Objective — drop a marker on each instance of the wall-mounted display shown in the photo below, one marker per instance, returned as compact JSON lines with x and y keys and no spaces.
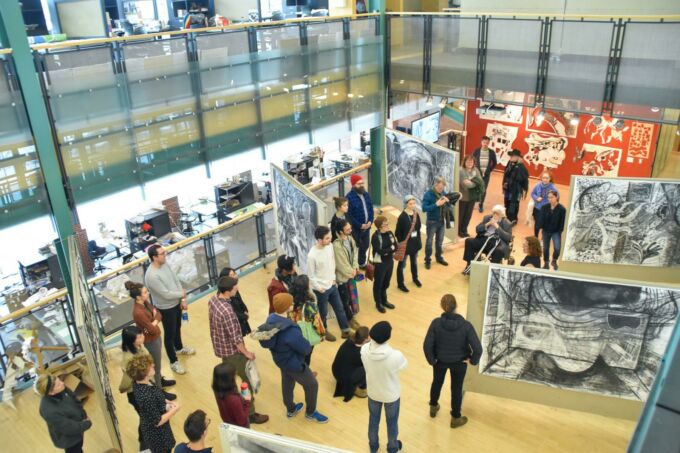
{"x":618,"y":221}
{"x":427,"y":128}
{"x":413,"y":164}
{"x":569,"y":333}
{"x":565,"y":143}
{"x":297,"y":211}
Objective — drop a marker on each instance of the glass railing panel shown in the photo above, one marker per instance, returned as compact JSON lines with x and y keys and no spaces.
{"x":236,"y":246}
{"x":327,"y":194}
{"x":190,"y":264}
{"x":270,"y":231}
{"x":114,"y":303}
{"x":407,"y":36}
{"x":454,"y":56}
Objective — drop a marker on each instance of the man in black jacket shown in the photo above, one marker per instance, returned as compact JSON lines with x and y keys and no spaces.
{"x":451,"y":344}
{"x":66,"y":420}
{"x":485,"y":161}
{"x":515,"y":184}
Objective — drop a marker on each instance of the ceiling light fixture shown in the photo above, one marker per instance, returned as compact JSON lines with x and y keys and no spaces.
{"x":461,"y":106}
{"x":655,"y":109}
{"x":443,"y":102}
{"x":429,"y":100}
{"x":574,"y":120}
{"x":619,"y":125}
{"x":540,"y":117}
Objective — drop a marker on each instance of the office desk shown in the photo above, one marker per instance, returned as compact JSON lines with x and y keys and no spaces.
{"x":203,"y":209}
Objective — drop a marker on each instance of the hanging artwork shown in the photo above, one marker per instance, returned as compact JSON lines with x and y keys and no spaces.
{"x":553,"y":122}
{"x":599,"y":160}
{"x":570,"y":333}
{"x":641,"y":136}
{"x":412,"y":165}
{"x":548,"y":152}
{"x":635,"y":222}
{"x":604,"y":129}
{"x":502,"y":140}
{"x":510,"y":114}
{"x":297,"y":212}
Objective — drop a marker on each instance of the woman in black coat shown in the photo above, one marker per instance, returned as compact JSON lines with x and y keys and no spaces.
{"x":348,"y":369}
{"x":383,"y":245}
{"x":414,"y":243}
{"x":552,"y":224}
{"x":65,"y":417}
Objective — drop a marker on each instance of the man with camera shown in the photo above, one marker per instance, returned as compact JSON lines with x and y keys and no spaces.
{"x":439,"y":209}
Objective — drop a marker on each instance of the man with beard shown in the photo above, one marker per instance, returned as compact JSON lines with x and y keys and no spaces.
{"x":515,"y":184}
{"x":485,"y":161}
{"x":360,"y":215}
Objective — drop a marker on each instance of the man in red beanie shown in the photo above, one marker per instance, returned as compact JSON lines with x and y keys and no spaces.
{"x":360,"y":215}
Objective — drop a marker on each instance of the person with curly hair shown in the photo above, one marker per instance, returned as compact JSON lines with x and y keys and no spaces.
{"x":532,"y":247}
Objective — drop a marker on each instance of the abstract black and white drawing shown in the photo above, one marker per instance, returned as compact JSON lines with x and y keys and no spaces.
{"x":297,"y":212}
{"x":412,"y":165}
{"x":567,"y":333}
{"x":618,"y":221}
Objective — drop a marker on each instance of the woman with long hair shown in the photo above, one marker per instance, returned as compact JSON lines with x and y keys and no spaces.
{"x":532,"y":247}
{"x":472,"y":190}
{"x":383,"y":244}
{"x":148,"y":318}
{"x":348,"y":369}
{"x":408,"y":229}
{"x":305,"y":308}
{"x":234,"y":408}
{"x":553,"y":215}
{"x":155,"y":411}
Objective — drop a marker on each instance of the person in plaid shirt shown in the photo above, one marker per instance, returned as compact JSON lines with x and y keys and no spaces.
{"x":225,"y":333}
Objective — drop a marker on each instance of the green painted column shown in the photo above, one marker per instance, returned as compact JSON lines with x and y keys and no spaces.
{"x":378,"y":133}
{"x":13,"y":34}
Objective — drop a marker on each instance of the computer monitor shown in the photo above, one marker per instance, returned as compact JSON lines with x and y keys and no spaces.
{"x":427,"y":128}
{"x":161,"y":224}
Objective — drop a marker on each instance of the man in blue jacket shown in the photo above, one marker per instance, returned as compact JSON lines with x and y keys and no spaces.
{"x":360,"y":215}
{"x":288,"y":347}
{"x":433,"y":205}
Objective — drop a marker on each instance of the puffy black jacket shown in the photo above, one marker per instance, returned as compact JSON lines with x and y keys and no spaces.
{"x":451,"y":339}
{"x":65,"y":417}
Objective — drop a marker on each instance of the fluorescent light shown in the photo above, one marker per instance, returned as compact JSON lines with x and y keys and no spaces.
{"x":655,"y":109}
{"x":443,"y":102}
{"x":574,"y":120}
{"x":461,"y":107}
{"x":540,"y":117}
{"x":429,"y":100}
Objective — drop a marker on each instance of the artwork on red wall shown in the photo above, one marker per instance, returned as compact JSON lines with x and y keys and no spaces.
{"x":565,"y":143}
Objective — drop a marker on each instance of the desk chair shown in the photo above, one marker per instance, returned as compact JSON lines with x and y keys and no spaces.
{"x":97,"y":253}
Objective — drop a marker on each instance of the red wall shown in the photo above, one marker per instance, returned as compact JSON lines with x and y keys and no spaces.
{"x":565,"y":149}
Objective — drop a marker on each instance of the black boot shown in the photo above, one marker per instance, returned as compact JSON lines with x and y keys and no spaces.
{"x":380,"y":308}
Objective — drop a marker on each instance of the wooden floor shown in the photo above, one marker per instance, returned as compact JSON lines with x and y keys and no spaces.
{"x":496,"y":424}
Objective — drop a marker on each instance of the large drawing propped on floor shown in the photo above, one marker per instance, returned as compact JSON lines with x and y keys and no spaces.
{"x":297,"y":212}
{"x":619,"y":221}
{"x":412,"y":166}
{"x":567,"y":333}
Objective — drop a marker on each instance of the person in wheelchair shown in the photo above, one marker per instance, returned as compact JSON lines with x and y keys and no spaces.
{"x":494,"y":235}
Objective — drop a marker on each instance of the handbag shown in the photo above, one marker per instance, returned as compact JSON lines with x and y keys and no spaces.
{"x":353,"y":295}
{"x":309,"y":332}
{"x":253,"y":376}
{"x":400,"y":253}
{"x":369,"y":272}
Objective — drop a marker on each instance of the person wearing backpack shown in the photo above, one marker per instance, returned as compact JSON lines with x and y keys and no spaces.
{"x":289,"y":348}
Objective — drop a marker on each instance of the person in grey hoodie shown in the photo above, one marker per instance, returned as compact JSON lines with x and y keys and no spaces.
{"x":451,"y":344}
{"x":383,"y":365}
{"x":170,"y":298}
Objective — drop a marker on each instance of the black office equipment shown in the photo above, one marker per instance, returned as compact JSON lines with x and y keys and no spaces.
{"x":300,"y":169}
{"x":145,"y":229}
{"x":230,"y":197}
{"x":41,"y":271}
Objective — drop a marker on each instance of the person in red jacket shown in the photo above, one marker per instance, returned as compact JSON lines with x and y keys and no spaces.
{"x":283,"y":277}
{"x":234,"y":409}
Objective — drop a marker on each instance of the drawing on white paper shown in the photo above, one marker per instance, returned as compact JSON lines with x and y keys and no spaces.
{"x":607,"y":129}
{"x":641,"y":135}
{"x":502,"y":139}
{"x":510,"y":114}
{"x":599,"y":160}
{"x":546,"y":151}
{"x":553,"y":122}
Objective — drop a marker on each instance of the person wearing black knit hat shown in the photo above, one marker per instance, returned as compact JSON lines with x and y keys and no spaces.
{"x":383,"y":365}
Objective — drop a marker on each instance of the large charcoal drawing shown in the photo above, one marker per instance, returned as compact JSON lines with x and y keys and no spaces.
{"x":603,"y":338}
{"x":297,"y":216}
{"x":412,"y":165}
{"x":635,"y":222}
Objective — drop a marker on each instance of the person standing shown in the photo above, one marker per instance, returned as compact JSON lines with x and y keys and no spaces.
{"x":346,"y":267}
{"x":485,"y":161}
{"x":472,"y":190}
{"x":288,"y":347}
{"x":450,"y":345}
{"x":155,"y":411}
{"x":383,"y":244}
{"x":383,"y":365}
{"x":321,"y":272}
{"x":360,"y":215}
{"x":196,"y":430}
{"x":283,"y":278}
{"x":434,"y":203}
{"x":540,"y":196}
{"x":66,"y":419}
{"x":237,"y":303}
{"x":552,"y":224}
{"x":147,"y":318}
{"x":515,"y":184}
{"x":532,"y":247}
{"x":170,"y":298}
{"x":348,"y":369}
{"x":234,"y":408}
{"x":226,"y":337}
{"x":408,"y":229}
{"x":341,"y":208}
{"x":306,"y":309}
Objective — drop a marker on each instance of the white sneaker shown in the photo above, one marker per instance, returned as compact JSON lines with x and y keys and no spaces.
{"x":186,"y":351}
{"x":177,"y":368}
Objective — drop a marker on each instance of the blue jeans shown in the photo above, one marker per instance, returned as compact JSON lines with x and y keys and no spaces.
{"x":557,"y":244}
{"x":392,"y":416}
{"x":333,"y":296}
{"x":435,"y":230}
